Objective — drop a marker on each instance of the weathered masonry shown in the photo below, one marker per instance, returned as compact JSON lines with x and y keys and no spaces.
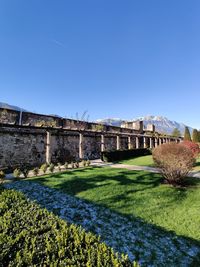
{"x":34,"y":139}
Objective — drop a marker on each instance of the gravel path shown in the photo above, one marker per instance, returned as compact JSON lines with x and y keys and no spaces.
{"x":141,"y":241}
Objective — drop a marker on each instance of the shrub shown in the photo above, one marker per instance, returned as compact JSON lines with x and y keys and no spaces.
{"x":59,"y":167}
{"x":72,"y":165}
{"x":174,"y":161}
{"x":17,"y":173}
{"x":51,"y":167}
{"x":24,"y":170}
{"x":77,"y":164}
{"x":2,"y":177}
{"x":31,"y":236}
{"x":88,"y":162}
{"x":44,"y":167}
{"x":83,"y":163}
{"x":66,"y":165}
{"x":36,"y":171}
{"x":117,"y":155}
{"x":194,"y":147}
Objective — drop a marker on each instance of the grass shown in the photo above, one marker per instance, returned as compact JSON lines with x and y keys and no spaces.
{"x":134,"y":194}
{"x":197,"y":167}
{"x":139,"y":161}
{"x":148,"y":161}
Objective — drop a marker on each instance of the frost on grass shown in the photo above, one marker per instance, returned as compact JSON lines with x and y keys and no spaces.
{"x":140,"y":241}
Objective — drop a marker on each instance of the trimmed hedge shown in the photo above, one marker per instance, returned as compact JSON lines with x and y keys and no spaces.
{"x":31,"y":236}
{"x":117,"y":155}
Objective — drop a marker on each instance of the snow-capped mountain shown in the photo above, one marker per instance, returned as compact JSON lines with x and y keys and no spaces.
{"x":162,"y":124}
{"x":113,"y":122}
{"x":7,"y":106}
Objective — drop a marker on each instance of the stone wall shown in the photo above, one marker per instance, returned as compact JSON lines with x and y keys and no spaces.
{"x":8,"y":116}
{"x":48,"y":121}
{"x":38,"y":120}
{"x":64,"y":146}
{"x":132,"y":142}
{"x":34,"y":139}
{"x":110,"y":143}
{"x":19,"y":146}
{"x":124,"y":143}
{"x":28,"y":145}
{"x":91,"y":146}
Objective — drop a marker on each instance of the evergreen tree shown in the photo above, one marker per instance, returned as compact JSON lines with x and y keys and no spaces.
{"x":176,"y":132}
{"x":187,"y":135}
{"x":195,"y":136}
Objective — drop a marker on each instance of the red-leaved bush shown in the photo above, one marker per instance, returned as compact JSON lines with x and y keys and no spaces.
{"x":174,"y":161}
{"x":194,"y":147}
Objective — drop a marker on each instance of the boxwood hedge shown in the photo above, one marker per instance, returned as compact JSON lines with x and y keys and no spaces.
{"x":32,"y":236}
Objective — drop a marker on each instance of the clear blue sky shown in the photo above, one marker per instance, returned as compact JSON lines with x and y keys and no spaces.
{"x":113,"y":58}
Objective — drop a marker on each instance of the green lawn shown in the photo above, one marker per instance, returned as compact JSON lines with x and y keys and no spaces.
{"x":148,"y":161}
{"x":135,"y":193}
{"x":197,"y":167}
{"x":139,"y":161}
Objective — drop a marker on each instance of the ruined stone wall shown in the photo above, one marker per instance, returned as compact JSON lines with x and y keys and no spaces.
{"x":133,"y":142}
{"x":64,"y":146}
{"x":38,"y":120}
{"x":123,"y":143}
{"x":33,"y":139}
{"x":19,"y":146}
{"x":110,"y":143}
{"x":28,"y":145}
{"x":91,"y":146}
{"x":8,"y":116}
{"x":141,"y":142}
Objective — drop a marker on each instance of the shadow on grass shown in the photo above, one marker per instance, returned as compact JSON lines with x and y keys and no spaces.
{"x":80,"y":180}
{"x":75,"y":184}
{"x":197,"y":166}
{"x":197,"y":163}
{"x":125,"y":182}
{"x":190,"y":182}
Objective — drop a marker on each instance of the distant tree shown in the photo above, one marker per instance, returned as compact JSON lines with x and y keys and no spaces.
{"x":195,"y":136}
{"x":187,"y":135}
{"x":176,"y":132}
